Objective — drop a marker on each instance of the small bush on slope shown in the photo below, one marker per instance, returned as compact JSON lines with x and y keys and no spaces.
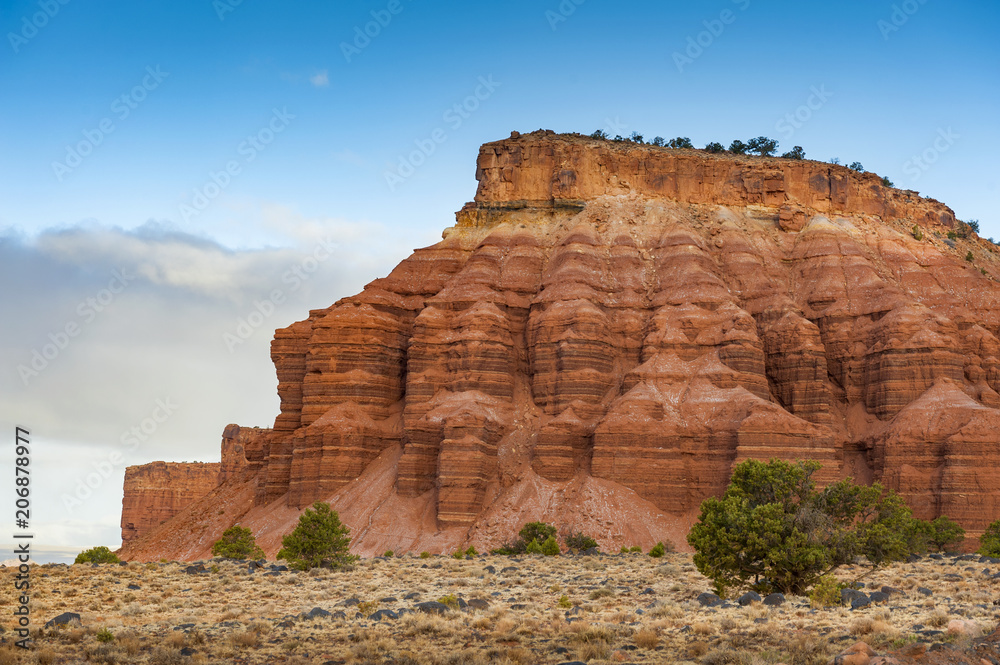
{"x":319,"y":539}
{"x":237,"y":542}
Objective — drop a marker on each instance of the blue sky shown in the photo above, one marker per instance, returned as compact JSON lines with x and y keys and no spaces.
{"x":209,"y":147}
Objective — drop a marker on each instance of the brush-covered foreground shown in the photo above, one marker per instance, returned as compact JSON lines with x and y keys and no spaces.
{"x":626,"y":608}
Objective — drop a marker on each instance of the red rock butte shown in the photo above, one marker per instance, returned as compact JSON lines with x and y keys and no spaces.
{"x":606,"y":330}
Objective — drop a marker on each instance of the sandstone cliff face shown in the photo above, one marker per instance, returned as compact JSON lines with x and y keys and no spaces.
{"x":610,"y":327}
{"x":157,"y":491}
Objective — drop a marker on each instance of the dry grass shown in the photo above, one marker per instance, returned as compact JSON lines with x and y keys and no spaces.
{"x":603,"y":616}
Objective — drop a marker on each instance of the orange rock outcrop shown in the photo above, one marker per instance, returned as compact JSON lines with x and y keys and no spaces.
{"x":157,"y":491}
{"x":610,"y":327}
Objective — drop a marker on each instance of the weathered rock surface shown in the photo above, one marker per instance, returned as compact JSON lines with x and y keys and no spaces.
{"x":157,"y":491}
{"x":608,"y":328}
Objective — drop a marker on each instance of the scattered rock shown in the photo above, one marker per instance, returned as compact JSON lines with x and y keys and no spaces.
{"x":479,"y":604}
{"x":860,"y":602}
{"x":708,"y":599}
{"x":383,"y":614}
{"x":316,"y":612}
{"x":964,"y":627}
{"x":748,"y":597}
{"x":63,"y":619}
{"x":858,"y":654}
{"x":878,"y":597}
{"x":432,"y":607}
{"x":848,"y":595}
{"x":774,"y":599}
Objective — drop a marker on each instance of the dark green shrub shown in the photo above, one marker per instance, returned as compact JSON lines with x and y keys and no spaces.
{"x":600,"y":134}
{"x":973,"y":225}
{"x":738,"y":147}
{"x":659,"y":141}
{"x":635,"y":549}
{"x":952,"y":235}
{"x":658,"y":551}
{"x":917,"y":233}
{"x":550,"y":547}
{"x":635,"y":137}
{"x":856,"y":166}
{"x":946,"y":533}
{"x":618,"y":138}
{"x":680,"y":142}
{"x":104,"y":635}
{"x":533,"y":548}
{"x":715,"y":147}
{"x":425,"y":555}
{"x":969,"y":257}
{"x":774,"y":531}
{"x":762,"y":145}
{"x":536,"y":531}
{"x":989,"y":542}
{"x":237,"y":542}
{"x":389,"y":554}
{"x":795,"y":153}
{"x":319,"y":539}
{"x":918,"y":536}
{"x":886,"y":182}
{"x":579,"y":542}
{"x":99,"y":554}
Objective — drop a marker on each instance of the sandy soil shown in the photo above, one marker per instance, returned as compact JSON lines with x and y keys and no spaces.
{"x":596,"y":609}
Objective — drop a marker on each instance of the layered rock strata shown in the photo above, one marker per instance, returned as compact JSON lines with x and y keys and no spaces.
{"x":610,"y":327}
{"x":157,"y":491}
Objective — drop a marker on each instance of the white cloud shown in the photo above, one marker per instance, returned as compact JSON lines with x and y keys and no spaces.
{"x":161,"y":337}
{"x":320,"y":79}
